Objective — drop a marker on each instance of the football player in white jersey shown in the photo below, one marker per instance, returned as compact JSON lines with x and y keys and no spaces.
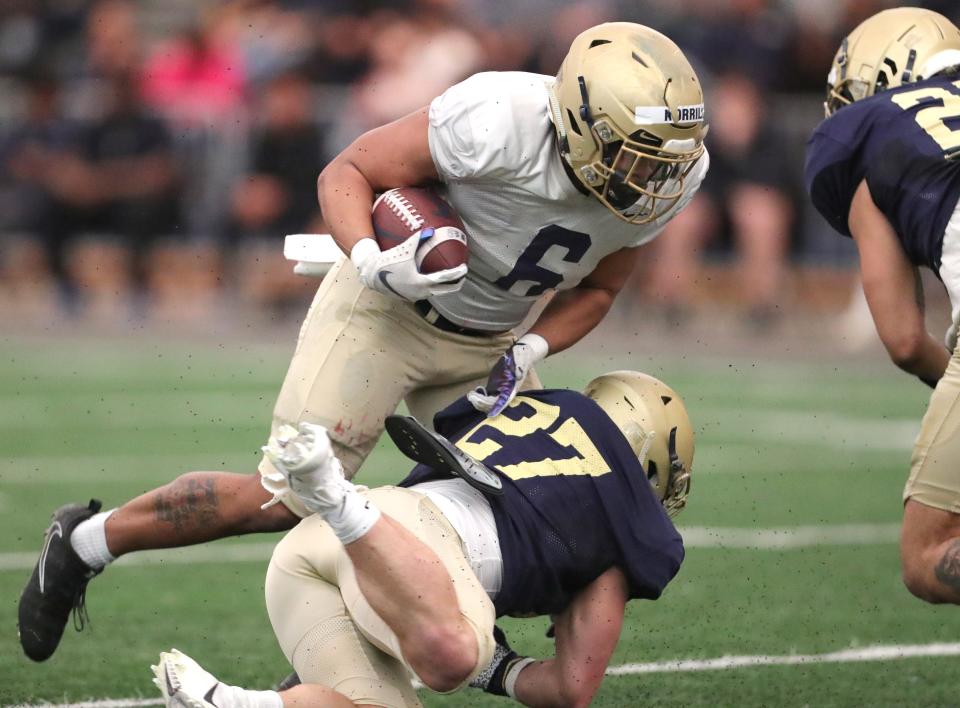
{"x":558,"y":180}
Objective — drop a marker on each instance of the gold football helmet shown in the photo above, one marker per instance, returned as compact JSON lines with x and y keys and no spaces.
{"x":628,"y":111}
{"x":654,"y":420}
{"x":889,"y":49}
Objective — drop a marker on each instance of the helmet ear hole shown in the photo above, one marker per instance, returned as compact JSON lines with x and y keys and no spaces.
{"x":573,"y":123}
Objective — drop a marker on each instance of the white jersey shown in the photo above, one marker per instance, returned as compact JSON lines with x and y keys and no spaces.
{"x":529,"y":229}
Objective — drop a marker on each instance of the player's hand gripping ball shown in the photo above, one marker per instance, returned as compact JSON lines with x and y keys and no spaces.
{"x":420,"y":248}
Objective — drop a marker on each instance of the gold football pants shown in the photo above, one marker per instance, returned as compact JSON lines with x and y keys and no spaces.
{"x":358,"y":355}
{"x":326,"y":628}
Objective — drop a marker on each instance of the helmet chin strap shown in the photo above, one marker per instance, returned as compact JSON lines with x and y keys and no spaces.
{"x":556,"y":114}
{"x":585,"y":113}
{"x":907,"y":75}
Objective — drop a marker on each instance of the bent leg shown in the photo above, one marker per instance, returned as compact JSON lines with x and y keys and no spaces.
{"x":355,"y":360}
{"x":314,"y":629}
{"x":930,"y":542}
{"x":406,"y":586}
{"x":410,"y":588}
{"x":194,"y":508}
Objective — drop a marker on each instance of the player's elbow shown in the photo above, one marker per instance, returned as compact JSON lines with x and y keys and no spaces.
{"x":905,"y":348}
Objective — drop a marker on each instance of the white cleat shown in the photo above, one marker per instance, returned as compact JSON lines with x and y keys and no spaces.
{"x":183,"y":682}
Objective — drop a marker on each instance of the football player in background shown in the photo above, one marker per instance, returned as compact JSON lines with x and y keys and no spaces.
{"x":380,"y":583}
{"x":884,"y":169}
{"x":558,"y":181}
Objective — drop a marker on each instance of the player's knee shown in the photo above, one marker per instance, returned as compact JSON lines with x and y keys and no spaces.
{"x":919,"y":577}
{"x":446,"y":657}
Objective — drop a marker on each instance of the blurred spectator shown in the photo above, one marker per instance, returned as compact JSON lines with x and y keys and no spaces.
{"x":279,"y":195}
{"x":744,"y":203}
{"x":415,"y":56}
{"x":113,"y":39}
{"x":747,"y":36}
{"x":30,"y":157}
{"x":29,"y":151}
{"x":117,"y":183}
{"x":341,"y":54}
{"x":366,"y":63}
{"x":198,"y":78}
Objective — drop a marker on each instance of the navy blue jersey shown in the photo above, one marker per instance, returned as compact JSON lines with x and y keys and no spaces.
{"x":901,"y":142}
{"x":576,"y":500}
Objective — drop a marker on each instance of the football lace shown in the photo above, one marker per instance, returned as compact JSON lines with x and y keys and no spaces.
{"x":405,"y":210}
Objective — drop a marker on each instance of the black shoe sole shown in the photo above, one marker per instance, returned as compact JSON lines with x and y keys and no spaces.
{"x":425,"y":446}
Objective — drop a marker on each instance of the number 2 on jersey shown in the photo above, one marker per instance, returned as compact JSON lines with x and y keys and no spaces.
{"x":528,"y":417}
{"x":934,"y":119}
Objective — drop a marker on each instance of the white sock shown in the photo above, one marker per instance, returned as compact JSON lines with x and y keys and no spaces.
{"x":89,"y":540}
{"x":352,"y":518}
{"x":236,"y":697}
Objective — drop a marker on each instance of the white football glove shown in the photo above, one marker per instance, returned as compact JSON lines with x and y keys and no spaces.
{"x":394,"y":272}
{"x":305,"y":457}
{"x":508,"y":374}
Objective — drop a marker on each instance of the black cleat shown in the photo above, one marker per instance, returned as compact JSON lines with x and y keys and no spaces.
{"x":425,"y":446}
{"x":57,"y":586}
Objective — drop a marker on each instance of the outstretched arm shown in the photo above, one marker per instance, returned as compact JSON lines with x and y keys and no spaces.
{"x":894,"y":292}
{"x":586,"y":635}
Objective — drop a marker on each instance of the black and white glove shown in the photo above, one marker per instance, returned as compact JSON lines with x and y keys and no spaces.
{"x":508,"y":374}
{"x":394,"y":272}
{"x":500,"y":675}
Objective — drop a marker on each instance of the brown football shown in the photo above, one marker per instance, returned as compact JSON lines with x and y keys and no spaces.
{"x":400,"y":213}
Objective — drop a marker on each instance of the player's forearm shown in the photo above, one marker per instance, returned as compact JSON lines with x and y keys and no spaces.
{"x":571,"y":315}
{"x":346,"y":198}
{"x":543,"y":683}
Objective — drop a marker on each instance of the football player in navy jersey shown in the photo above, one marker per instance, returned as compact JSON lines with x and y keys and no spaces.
{"x":558,"y":506}
{"x":884,"y":168}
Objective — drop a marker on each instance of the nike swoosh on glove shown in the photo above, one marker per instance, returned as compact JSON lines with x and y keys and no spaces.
{"x":508,"y":374}
{"x":394,"y":272}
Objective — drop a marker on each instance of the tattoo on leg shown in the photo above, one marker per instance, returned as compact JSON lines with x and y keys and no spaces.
{"x":948,"y":569}
{"x":188,"y":503}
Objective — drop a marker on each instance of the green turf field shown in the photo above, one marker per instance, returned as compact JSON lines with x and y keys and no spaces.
{"x":780,"y":446}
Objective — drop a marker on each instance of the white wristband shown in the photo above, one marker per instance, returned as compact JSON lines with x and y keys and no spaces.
{"x":538,"y":345}
{"x":362,"y":250}
{"x":510,"y":680}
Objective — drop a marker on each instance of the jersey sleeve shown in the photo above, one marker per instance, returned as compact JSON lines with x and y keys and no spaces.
{"x":830,"y":178}
{"x":471,"y":129}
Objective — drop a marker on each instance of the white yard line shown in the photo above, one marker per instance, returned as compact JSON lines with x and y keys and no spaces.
{"x":880,"y":652}
{"x":106,"y":703}
{"x":693,"y":536}
{"x":790,"y":537}
{"x":193,"y":555}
